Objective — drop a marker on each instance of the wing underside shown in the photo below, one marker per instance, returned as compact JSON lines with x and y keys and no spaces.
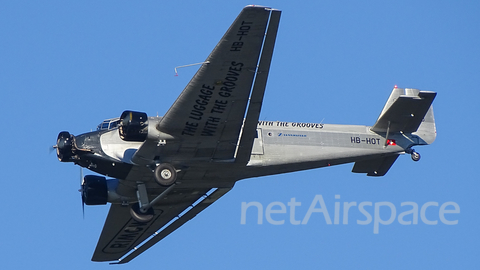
{"x":205,"y":122}
{"x":207,"y":118}
{"x":123,"y":238}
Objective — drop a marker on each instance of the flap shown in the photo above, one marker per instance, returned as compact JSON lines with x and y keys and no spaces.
{"x":253,"y":113}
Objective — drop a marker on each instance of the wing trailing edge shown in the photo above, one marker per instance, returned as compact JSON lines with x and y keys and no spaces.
{"x":244,"y":149}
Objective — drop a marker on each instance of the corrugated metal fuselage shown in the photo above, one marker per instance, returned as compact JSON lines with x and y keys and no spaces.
{"x":278,"y":148}
{"x":287,"y":146}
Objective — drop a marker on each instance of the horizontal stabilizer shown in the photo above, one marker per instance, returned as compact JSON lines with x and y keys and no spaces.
{"x":375,"y":167}
{"x":404,"y":111}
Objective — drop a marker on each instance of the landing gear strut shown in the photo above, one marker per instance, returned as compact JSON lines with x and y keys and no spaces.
{"x":143,"y":210}
{"x":165,"y":175}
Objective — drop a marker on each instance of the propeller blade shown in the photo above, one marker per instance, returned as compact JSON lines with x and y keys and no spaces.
{"x":82,"y":190}
{"x":81,"y":177}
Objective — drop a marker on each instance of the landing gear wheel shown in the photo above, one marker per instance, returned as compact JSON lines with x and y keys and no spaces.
{"x":415,"y":156}
{"x":138,"y":216}
{"x":165,"y":175}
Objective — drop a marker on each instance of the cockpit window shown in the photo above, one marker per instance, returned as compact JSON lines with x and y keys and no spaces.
{"x":113,"y":124}
{"x":108,"y":124}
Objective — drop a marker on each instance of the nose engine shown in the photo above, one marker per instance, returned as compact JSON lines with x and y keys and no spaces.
{"x":65,"y":146}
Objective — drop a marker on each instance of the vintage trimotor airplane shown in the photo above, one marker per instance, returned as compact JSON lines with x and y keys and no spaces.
{"x":165,"y":170}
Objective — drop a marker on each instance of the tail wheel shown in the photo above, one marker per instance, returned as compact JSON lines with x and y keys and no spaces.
{"x":415,"y":156}
{"x":139,"y":216}
{"x":165,"y":175}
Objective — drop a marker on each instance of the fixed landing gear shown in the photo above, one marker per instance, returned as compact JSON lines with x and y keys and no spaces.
{"x":414,"y":155}
{"x":142,"y":216}
{"x":165,"y":175}
{"x":142,"y":211}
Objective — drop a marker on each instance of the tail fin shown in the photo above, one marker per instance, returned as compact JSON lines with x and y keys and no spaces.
{"x":408,"y":111}
{"x":427,"y":131}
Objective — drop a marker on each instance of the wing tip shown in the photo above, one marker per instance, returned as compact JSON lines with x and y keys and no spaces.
{"x":260,"y":6}
{"x":256,"y":6}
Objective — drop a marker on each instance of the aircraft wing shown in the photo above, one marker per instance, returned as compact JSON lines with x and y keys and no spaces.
{"x":206,"y":119}
{"x":123,"y":238}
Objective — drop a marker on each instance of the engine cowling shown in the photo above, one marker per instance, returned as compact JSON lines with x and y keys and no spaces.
{"x":65,"y":146}
{"x":133,"y":126}
{"x":94,"y":190}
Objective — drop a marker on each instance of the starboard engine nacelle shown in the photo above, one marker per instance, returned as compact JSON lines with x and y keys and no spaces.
{"x":98,"y":190}
{"x":133,"y":126}
{"x":94,"y":190}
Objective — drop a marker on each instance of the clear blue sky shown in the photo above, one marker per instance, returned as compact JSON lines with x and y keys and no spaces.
{"x":68,"y":65}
